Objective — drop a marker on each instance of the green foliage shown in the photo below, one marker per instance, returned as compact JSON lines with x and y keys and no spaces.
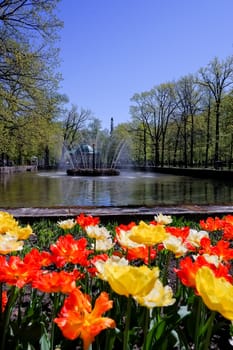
{"x":181,"y":221}
{"x":28,"y":79}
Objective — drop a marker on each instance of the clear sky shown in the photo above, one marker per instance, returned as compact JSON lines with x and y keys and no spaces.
{"x":112,"y":49}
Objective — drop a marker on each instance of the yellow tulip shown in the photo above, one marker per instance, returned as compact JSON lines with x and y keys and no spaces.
{"x":66,"y":224}
{"x":175,"y":245}
{"x":24,"y":232}
{"x":131,"y":280}
{"x":163,"y":219}
{"x":216,"y":292}
{"x":9,"y":244}
{"x":111,"y":261}
{"x":195,"y":237}
{"x":103,"y":244}
{"x":125,"y":241}
{"x":97,"y":232}
{"x":148,"y":234}
{"x":159,"y":296}
{"x":8,"y":225}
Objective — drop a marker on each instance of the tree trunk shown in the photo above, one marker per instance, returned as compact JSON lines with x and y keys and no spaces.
{"x":216,"y":151}
{"x":176,"y":147}
{"x":144,"y":148}
{"x":207,"y":138}
{"x":185,"y":143}
{"x":46,"y":159}
{"x":191,"y":141}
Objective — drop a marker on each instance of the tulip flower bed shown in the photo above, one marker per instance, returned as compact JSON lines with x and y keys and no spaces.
{"x":77,"y":284}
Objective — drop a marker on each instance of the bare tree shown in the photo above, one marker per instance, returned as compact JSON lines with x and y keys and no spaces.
{"x":73,"y":124}
{"x":154,"y":109}
{"x":188,"y":103}
{"x":218,"y":78}
{"x":165,"y":96}
{"x":141,"y":114}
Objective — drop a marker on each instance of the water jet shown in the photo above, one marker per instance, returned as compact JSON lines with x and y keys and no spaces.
{"x":88,"y":162}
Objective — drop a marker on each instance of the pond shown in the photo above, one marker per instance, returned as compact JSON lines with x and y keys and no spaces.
{"x":49,"y":189}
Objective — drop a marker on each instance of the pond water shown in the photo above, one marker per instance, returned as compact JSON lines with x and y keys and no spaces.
{"x":49,"y":189}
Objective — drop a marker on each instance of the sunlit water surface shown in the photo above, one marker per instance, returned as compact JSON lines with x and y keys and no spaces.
{"x":48,"y":189}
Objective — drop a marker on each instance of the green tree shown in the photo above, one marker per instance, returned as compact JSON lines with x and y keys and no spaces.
{"x":28,"y":80}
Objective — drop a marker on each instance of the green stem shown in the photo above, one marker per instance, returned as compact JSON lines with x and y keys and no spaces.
{"x":6,"y":316}
{"x":127,"y":324}
{"x":197,"y":323}
{"x":55,"y":308}
{"x":166,"y":268}
{"x":209,"y":330}
{"x":1,"y":313}
{"x":146,"y":325}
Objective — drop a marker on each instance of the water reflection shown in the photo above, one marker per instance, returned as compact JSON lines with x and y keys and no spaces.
{"x":46,"y":189}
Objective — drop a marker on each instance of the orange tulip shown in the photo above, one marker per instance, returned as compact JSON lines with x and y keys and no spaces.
{"x":181,"y":232}
{"x":54,"y":282}
{"x":143,"y":253}
{"x":87,"y":220}
{"x":222,"y":249}
{"x":69,"y":250}
{"x":16,"y":272}
{"x":212,"y":224}
{"x":34,"y":256}
{"x":189,"y":268}
{"x":78,"y":319}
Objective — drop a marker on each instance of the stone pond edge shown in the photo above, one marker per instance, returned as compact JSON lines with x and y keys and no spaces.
{"x":119,"y":214}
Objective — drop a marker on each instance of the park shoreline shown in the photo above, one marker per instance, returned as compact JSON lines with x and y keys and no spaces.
{"x":221,"y":174}
{"x":202,"y":173}
{"x":17,"y":169}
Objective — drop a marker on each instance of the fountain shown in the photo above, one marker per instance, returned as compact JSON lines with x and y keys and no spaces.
{"x":86,"y":161}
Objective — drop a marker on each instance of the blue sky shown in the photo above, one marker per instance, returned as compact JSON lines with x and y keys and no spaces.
{"x":112,"y":49}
